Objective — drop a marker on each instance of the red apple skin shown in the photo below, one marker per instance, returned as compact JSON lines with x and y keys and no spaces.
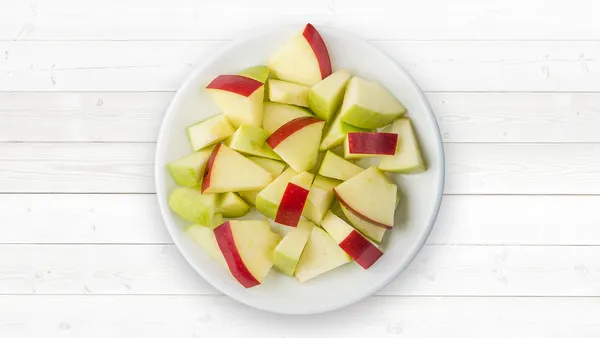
{"x":359,"y":215}
{"x":360,"y":249}
{"x":318,"y":46}
{"x":289,"y":128}
{"x":234,"y":261}
{"x":372,"y":143}
{"x":236,"y":84}
{"x":209,"y":168}
{"x":291,"y":206}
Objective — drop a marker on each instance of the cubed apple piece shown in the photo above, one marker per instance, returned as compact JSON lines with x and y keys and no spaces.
{"x":294,"y":199}
{"x":239,"y":97}
{"x":336,"y":132}
{"x":297,"y":142}
{"x":229,"y":171}
{"x":258,"y":73}
{"x":205,"y":238}
{"x":231,"y":205}
{"x":321,"y":254}
{"x":251,"y":140}
{"x":275,"y":168}
{"x":325,"y":98}
{"x":210,"y":131}
{"x":369,"y":144}
{"x":288,"y":251}
{"x":189,"y":170}
{"x":288,"y":93}
{"x":193,"y":205}
{"x":303,"y":59}
{"x":278,"y":114}
{"x":371,"y":196}
{"x":368,"y":105}
{"x":320,"y":198}
{"x":351,"y":241}
{"x":267,"y":201}
{"x":408,"y":159}
{"x":248,"y":249}
{"x":370,"y":230}
{"x":334,"y":166}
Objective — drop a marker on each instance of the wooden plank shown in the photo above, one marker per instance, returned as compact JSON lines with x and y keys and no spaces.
{"x":185,"y":316}
{"x":532,"y":66}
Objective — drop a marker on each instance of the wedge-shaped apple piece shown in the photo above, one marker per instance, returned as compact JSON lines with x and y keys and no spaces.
{"x":267,"y":201}
{"x":258,"y":73}
{"x":231,"y":205}
{"x":369,"y":144}
{"x":303,"y":59}
{"x":320,"y":198}
{"x":229,"y":171}
{"x":371,"y":196}
{"x":334,"y":166}
{"x":351,"y":241}
{"x":336,"y":133}
{"x":205,"y":238}
{"x":278,"y":114}
{"x":272,"y":166}
{"x":294,"y":199}
{"x":189,"y":170}
{"x":408,"y":157}
{"x":288,"y":93}
{"x":367,"y":104}
{"x":248,"y":249}
{"x":325,"y":98}
{"x":249,"y":196}
{"x":194,"y":206}
{"x":239,"y":97}
{"x":372,"y":231}
{"x":297,"y":142}
{"x":288,"y":251}
{"x":210,"y":131}
{"x":321,"y":254}
{"x":251,"y":140}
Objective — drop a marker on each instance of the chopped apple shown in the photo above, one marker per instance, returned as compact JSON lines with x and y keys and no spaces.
{"x":325,"y":98}
{"x":371,"y":196}
{"x":267,"y":201}
{"x":248,"y":249}
{"x":194,"y":206}
{"x":304,"y":59}
{"x":297,"y":142}
{"x":336,"y":133}
{"x":232,"y":205}
{"x":293,"y":199}
{"x":372,"y":231}
{"x":189,"y":170}
{"x":229,"y":171}
{"x":321,"y":254}
{"x":408,"y":157}
{"x":278,"y":114}
{"x":367,"y":104}
{"x":351,"y":241}
{"x":258,"y":73}
{"x":249,"y":196}
{"x":288,"y":251}
{"x":320,"y":198}
{"x":251,"y":140}
{"x":272,"y":166}
{"x":210,"y":131}
{"x":239,"y":97}
{"x":360,"y":145}
{"x":288,"y":93}
{"x":205,"y":238}
{"x":335,"y":166}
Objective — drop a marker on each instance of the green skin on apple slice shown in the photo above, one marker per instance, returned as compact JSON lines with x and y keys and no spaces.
{"x":205,"y":238}
{"x":189,"y":170}
{"x":192,"y":205}
{"x":258,"y":73}
{"x":267,"y":201}
{"x":408,"y":159}
{"x":232,"y":205}
{"x":321,"y":254}
{"x":250,"y":140}
{"x":278,"y":114}
{"x":367,"y":104}
{"x":288,"y":251}
{"x":334,"y":166}
{"x":325,"y":98}
{"x":275,"y":168}
{"x":336,"y":133}
{"x":288,"y":93}
{"x":320,"y":198}
{"x":210,"y":131}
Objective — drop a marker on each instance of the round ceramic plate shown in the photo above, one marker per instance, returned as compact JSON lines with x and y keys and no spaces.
{"x":421,"y":193}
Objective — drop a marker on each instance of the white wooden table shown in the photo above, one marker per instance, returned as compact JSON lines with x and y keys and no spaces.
{"x":515,"y":86}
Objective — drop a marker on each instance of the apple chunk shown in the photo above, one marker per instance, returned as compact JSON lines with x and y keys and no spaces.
{"x":336,"y":133}
{"x":372,"y":231}
{"x":325,"y":98}
{"x":205,"y":238}
{"x":288,"y":251}
{"x":248,"y":249}
{"x":239,"y":97}
{"x":288,"y":93}
{"x":258,"y":73}
{"x":359,"y":145}
{"x":293,"y":199}
{"x":320,"y":198}
{"x":210,"y":131}
{"x":321,"y":254}
{"x":194,"y":206}
{"x":297,"y":142}
{"x":251,"y":140}
{"x":275,"y":168}
{"x":408,"y":157}
{"x":335,"y":166}
{"x":278,"y":114}
{"x":267,"y":201}
{"x":189,"y":170}
{"x":232,"y":205}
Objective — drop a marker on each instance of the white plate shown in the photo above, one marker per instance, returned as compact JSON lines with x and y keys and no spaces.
{"x":416,"y":213}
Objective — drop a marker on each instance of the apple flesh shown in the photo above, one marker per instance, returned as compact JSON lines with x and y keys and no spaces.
{"x":232,"y":205}
{"x":360,"y":145}
{"x":293,"y":199}
{"x":205,"y":238}
{"x":325,"y":98}
{"x":288,"y":251}
{"x":267,"y":201}
{"x":304,"y":59}
{"x":194,"y":206}
{"x":334,"y":166}
{"x":336,"y":133}
{"x":297,"y":142}
{"x":250,"y":140}
{"x":321,"y":254}
{"x":278,"y":114}
{"x":210,"y":131}
{"x":368,"y":105}
{"x":189,"y":170}
{"x":248,"y":249}
{"x":239,"y":97}
{"x":320,"y":198}
{"x":288,"y":93}
{"x":275,"y":168}
{"x":258,"y":73}
{"x":372,"y":231}
{"x":407,"y":159}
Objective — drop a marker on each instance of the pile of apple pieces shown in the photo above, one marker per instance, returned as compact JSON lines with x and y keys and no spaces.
{"x":292,"y":163}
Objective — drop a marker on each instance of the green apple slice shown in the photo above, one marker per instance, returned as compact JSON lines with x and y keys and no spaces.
{"x":334,"y":166}
{"x":297,"y":142}
{"x":258,"y":73}
{"x":325,"y":98}
{"x":189,"y":170}
{"x":278,"y":114}
{"x":372,"y":231}
{"x":288,"y":93}
{"x":194,"y":206}
{"x":231,"y":205}
{"x":210,"y":131}
{"x":249,"y":196}
{"x":320,"y":198}
{"x":336,"y":133}
{"x":321,"y":254}
{"x":205,"y":238}
{"x":371,"y":196}
{"x":272,"y":166}
{"x":288,"y":251}
{"x":408,"y":157}
{"x":267,"y":201}
{"x":367,"y":104}
{"x":239,"y":97}
{"x":250,"y":140}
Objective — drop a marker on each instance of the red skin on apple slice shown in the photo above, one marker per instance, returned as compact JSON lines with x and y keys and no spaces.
{"x":359,"y":215}
{"x":289,"y":128}
{"x":318,"y":46}
{"x":236,"y":84}
{"x":209,"y":167}
{"x":232,"y":256}
{"x":372,"y":143}
{"x":360,"y":249}
{"x":291,"y":206}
